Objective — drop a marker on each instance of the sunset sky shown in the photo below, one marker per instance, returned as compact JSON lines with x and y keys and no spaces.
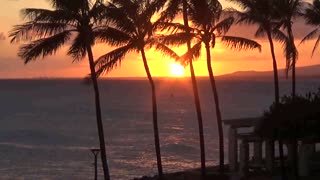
{"x":224,"y":60}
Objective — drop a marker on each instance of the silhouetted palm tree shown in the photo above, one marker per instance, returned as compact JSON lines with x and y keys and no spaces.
{"x":206,"y":27}
{"x":205,"y":16}
{"x":74,"y":22}
{"x":174,"y":7}
{"x":287,"y":11}
{"x":132,"y":30}
{"x":263,"y":14}
{"x":312,"y":17}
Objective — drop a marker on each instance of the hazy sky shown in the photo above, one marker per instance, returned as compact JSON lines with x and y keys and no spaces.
{"x":224,"y":60}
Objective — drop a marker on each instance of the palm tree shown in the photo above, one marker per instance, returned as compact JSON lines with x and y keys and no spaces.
{"x":132,"y":31}
{"x":287,"y":11}
{"x":312,"y":16}
{"x":48,"y":30}
{"x":173,"y":8}
{"x":206,"y":30}
{"x":262,"y":13}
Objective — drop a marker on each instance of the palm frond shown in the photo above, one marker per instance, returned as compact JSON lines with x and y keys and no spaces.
{"x":31,"y":30}
{"x":60,"y":4}
{"x":97,"y":11}
{"x":239,"y":43}
{"x":247,"y":19}
{"x":111,"y":60}
{"x":312,"y":13}
{"x":200,"y":12}
{"x":316,"y":45}
{"x":260,"y":32}
{"x":45,"y":15}
{"x":165,"y":50}
{"x":255,"y":12}
{"x":173,"y":7}
{"x":119,"y":19}
{"x":243,"y":4}
{"x":111,"y":36}
{"x":215,"y":8}
{"x":127,"y":3}
{"x":176,"y":39}
{"x":223,"y":26}
{"x":78,"y":49}
{"x":310,"y":35}
{"x":172,"y":27}
{"x":192,"y":54}
{"x":71,"y":6}
{"x":279,"y":36}
{"x":43,"y":47}
{"x":129,"y":8}
{"x":151,"y":8}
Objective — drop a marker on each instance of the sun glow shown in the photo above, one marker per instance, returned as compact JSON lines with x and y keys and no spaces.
{"x":176,"y":70}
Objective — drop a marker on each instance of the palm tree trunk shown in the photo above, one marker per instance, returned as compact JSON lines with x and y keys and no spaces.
{"x":200,"y":122}
{"x":196,"y":99}
{"x":218,"y":112}
{"x":294,"y":78}
{"x":275,"y":68}
{"x":277,"y":101}
{"x":98,"y":114}
{"x":154,"y":113}
{"x":294,"y":58}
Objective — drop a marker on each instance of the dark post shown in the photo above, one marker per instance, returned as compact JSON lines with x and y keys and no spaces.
{"x":95,"y":152}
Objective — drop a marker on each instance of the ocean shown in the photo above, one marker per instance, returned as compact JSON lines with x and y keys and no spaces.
{"x":48,"y":126}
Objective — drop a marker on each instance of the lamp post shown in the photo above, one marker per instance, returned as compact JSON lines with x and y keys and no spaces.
{"x":95,"y":152}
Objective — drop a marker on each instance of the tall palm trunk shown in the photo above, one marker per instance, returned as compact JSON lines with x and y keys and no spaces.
{"x":294,"y":58}
{"x":275,"y":68}
{"x":196,"y":98}
{"x":277,"y":101}
{"x":154,"y":114}
{"x":98,"y":114}
{"x":217,"y":105}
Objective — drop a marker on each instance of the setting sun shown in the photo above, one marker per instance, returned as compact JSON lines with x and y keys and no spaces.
{"x":176,"y":70}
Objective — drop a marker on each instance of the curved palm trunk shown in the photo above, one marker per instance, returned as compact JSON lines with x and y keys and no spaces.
{"x":196,"y":99}
{"x":98,"y":114}
{"x":218,"y":112}
{"x":276,"y":92}
{"x":154,"y":115}
{"x":200,"y":123}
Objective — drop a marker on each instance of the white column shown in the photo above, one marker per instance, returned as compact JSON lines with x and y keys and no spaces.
{"x":233,"y":149}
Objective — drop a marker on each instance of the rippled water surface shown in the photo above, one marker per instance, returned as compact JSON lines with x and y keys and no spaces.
{"x":48,"y":126}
